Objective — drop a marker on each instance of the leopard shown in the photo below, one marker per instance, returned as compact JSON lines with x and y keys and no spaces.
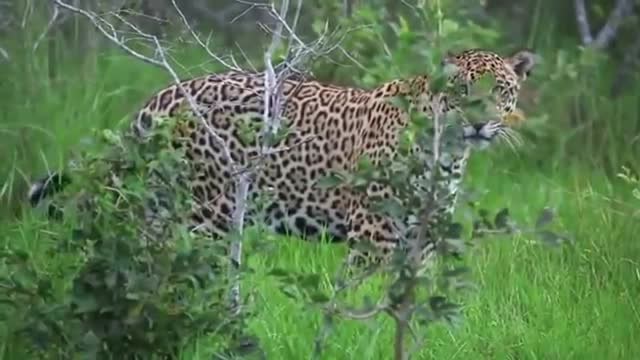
{"x":330,"y":127}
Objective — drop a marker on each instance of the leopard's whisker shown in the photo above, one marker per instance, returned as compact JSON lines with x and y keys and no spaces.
{"x":511,"y":137}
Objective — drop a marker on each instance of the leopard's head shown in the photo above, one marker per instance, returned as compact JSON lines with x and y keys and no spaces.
{"x":508,"y":73}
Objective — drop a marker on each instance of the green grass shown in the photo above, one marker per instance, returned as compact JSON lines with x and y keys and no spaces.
{"x":533,"y":302}
{"x":44,"y":121}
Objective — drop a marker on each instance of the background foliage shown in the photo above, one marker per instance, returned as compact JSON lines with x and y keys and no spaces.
{"x":582,"y":128}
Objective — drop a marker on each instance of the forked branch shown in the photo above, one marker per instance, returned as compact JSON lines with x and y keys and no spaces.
{"x":608,"y":32}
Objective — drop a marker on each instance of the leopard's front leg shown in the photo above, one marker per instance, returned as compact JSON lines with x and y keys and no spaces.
{"x":365,"y":225}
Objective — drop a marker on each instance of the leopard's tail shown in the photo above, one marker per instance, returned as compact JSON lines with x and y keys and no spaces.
{"x":48,"y":185}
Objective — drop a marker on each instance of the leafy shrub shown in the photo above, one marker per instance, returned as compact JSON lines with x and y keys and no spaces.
{"x":143,"y":284}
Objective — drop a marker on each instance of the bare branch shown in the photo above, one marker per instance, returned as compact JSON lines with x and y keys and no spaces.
{"x":608,"y":31}
{"x":109,"y":33}
{"x":583,"y":22}
{"x":246,"y":58}
{"x":271,"y":123}
{"x":270,"y":81}
{"x":280,"y":17}
{"x":243,"y":13}
{"x":46,"y":30}
{"x":242,"y":180}
{"x":218,"y":16}
{"x":161,"y":61}
{"x":274,"y":79}
{"x":197,"y":38}
{"x":362,"y":314}
{"x":235,"y":252}
{"x":27,"y":13}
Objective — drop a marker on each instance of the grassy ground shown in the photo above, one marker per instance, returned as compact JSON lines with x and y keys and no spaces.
{"x":534,"y":302}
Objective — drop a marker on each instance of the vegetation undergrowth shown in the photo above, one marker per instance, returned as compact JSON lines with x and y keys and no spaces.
{"x":562,"y":304}
{"x":139,"y":283}
{"x":534,"y":303}
{"x":576,"y":302}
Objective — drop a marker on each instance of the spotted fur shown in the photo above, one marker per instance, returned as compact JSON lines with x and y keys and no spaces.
{"x":331,"y":128}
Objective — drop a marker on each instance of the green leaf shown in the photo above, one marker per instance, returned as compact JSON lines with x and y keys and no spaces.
{"x":85,"y":304}
{"x":10,"y":302}
{"x":437,"y":302}
{"x":111,"y":137}
{"x":454,"y":231}
{"x":22,"y":255}
{"x":277,"y":272}
{"x":483,"y":86}
{"x":44,"y":288}
{"x":111,"y":279}
{"x":90,"y":344}
{"x":443,"y":308}
{"x":133,"y":313}
{"x":389,"y":206}
{"x":290,"y":292}
{"x":438,"y":84}
{"x":364,"y":164}
{"x":133,"y":296}
{"x":399,"y":101}
{"x":474,"y":104}
{"x":407,"y":139}
{"x":365,"y":246}
{"x":456,"y":272}
{"x":319,"y":298}
{"x":329,"y":181}
{"x":309,"y":281}
{"x":449,"y":27}
{"x":451,"y":246}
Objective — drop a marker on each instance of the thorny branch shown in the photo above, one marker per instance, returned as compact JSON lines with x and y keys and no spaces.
{"x":621,"y":10}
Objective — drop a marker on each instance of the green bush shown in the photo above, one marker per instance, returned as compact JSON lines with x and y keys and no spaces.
{"x":143,"y":283}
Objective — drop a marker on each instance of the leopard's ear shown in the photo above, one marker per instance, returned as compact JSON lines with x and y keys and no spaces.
{"x":522,"y":62}
{"x":448,"y":57}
